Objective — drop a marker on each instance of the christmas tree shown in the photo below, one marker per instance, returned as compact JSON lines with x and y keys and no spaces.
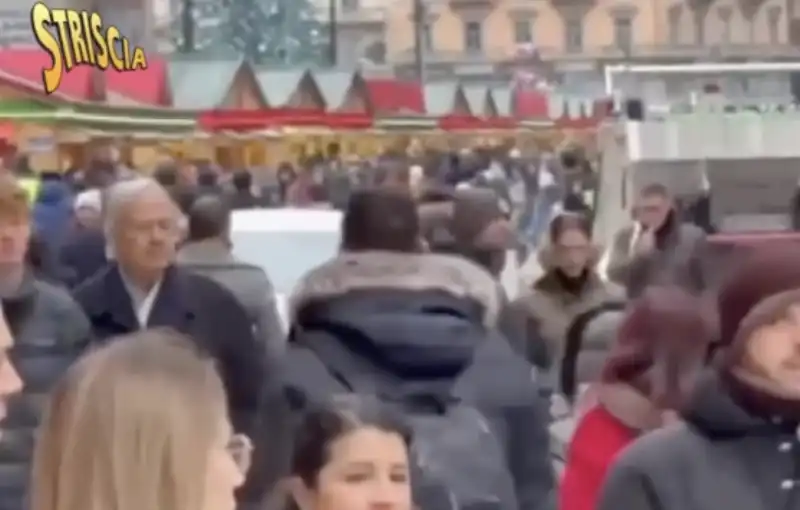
{"x":285,"y":32}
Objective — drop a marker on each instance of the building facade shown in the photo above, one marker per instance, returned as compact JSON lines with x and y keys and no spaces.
{"x":136,"y":19}
{"x":570,"y":41}
{"x":360,"y":27}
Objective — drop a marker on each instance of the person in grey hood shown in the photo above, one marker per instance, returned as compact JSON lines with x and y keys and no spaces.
{"x":207,"y":251}
{"x":471,"y":223}
{"x":50,"y":331}
{"x":736,"y":446}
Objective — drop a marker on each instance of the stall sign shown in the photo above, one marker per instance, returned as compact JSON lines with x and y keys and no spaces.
{"x":40,"y":144}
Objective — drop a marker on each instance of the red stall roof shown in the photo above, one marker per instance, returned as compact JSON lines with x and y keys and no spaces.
{"x":529,"y":103}
{"x":387,"y":95}
{"x":7,"y":131}
{"x":147,"y":86}
{"x":471,"y":122}
{"x":27,"y":64}
{"x":244,"y":120}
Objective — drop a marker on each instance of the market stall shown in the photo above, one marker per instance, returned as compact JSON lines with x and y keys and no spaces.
{"x":56,"y":137}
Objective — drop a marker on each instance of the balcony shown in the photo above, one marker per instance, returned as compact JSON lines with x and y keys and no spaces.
{"x":572,"y":4}
{"x":699,"y":5}
{"x":365,"y":15}
{"x":684,"y":52}
{"x":347,"y":17}
{"x":592,"y":55}
{"x":488,"y":55}
{"x":460,"y":5}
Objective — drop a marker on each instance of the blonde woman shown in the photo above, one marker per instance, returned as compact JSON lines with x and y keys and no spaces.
{"x":139,"y":424}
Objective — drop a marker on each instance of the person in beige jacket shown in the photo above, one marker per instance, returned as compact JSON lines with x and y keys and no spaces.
{"x":569,"y":287}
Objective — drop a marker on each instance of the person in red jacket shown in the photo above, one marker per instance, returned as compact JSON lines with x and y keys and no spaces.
{"x":661,"y":346}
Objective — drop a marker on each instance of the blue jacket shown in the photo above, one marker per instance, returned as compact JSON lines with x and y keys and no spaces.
{"x":52,"y":211}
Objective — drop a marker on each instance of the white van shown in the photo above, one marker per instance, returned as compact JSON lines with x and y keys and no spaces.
{"x":286,"y":243}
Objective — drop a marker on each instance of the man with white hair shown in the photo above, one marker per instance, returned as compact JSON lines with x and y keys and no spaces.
{"x":141,"y":288}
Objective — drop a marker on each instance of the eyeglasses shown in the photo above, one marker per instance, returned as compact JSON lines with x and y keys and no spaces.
{"x":240,"y":448}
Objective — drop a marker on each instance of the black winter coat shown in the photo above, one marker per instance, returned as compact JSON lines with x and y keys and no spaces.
{"x":416,"y":324}
{"x":722,"y":457}
{"x":205,"y":311}
{"x":82,"y":255}
{"x":193,"y":305}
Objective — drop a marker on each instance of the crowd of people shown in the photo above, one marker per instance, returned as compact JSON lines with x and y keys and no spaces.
{"x":144,"y":367}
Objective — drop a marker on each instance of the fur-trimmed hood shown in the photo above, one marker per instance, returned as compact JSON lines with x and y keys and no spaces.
{"x":376,"y":270}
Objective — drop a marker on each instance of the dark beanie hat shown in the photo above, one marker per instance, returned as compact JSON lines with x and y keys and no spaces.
{"x":769,"y":270}
{"x":382,"y":218}
{"x":474,"y":211}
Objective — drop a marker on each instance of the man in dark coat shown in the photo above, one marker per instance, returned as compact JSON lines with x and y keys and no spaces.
{"x":142,"y":289}
{"x":207,"y":251}
{"x":241,"y":196}
{"x":416,"y":323}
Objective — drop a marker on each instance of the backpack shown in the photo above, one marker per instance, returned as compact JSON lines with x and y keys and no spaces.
{"x":458,"y":461}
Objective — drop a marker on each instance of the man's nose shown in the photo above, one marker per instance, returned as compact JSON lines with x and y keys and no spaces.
{"x":386,"y":495}
{"x":158,"y":235}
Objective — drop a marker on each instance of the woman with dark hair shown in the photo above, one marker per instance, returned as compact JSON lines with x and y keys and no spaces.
{"x":569,"y":287}
{"x":660,"y":349}
{"x":351,"y":455}
{"x":737,"y":445}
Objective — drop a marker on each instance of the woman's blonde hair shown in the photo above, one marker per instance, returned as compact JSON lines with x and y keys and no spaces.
{"x":130,"y":427}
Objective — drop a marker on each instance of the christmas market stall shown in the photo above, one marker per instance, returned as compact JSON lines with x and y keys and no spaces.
{"x":398,"y":107}
{"x":340,"y":124}
{"x":227,"y":89}
{"x":481,"y":122}
{"x":91,"y":109}
{"x":298,"y":117}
